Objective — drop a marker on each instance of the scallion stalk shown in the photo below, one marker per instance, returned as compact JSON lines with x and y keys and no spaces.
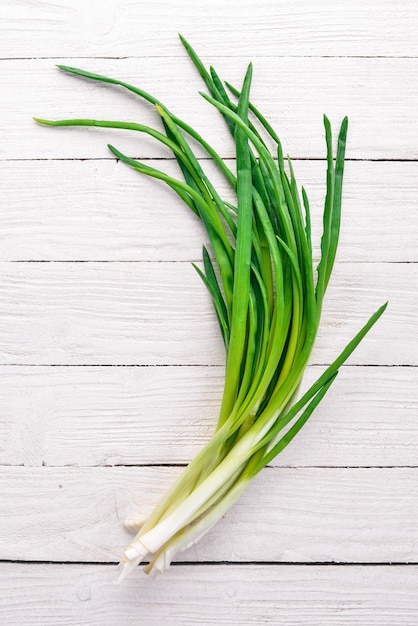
{"x":258,"y":269}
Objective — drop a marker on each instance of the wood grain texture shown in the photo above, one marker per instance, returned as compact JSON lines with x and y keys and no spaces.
{"x":378,"y":95}
{"x":58,"y":595}
{"x":160,"y":314}
{"x":134,"y":415}
{"x":113,"y":214}
{"x":274,"y":28}
{"x":300,"y":515}
{"x":136,"y":300}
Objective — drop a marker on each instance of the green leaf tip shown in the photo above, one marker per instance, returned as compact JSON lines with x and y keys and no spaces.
{"x":327,"y":123}
{"x":184,"y":41}
{"x":114,"y":150}
{"x":65,"y":68}
{"x":344,"y":123}
{"x":159,"y":109}
{"x":44,"y":122}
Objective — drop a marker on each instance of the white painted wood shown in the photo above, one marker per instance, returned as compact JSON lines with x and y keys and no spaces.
{"x":309,"y":58}
{"x":129,"y":415}
{"x":160,"y":313}
{"x":289,"y":595}
{"x":106,"y":313}
{"x":112,"y":213}
{"x":291,"y":515}
{"x":377,"y":94}
{"x":273,"y":28}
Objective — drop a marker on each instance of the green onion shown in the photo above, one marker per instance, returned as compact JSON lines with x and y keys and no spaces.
{"x":267,"y":298}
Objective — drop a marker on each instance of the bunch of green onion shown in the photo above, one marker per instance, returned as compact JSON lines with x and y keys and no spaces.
{"x":258,"y":269}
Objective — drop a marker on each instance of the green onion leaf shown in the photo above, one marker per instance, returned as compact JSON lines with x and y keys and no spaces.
{"x":258,"y":270}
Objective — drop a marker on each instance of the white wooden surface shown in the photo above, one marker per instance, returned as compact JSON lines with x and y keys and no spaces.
{"x":110,"y":362}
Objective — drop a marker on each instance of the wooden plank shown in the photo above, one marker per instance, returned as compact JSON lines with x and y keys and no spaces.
{"x":114,"y":214}
{"x":382,"y":116}
{"x":60,"y":595}
{"x":288,"y":515}
{"x":128,"y":415}
{"x":132,"y":308}
{"x":123,"y":28}
{"x":160,"y":314}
